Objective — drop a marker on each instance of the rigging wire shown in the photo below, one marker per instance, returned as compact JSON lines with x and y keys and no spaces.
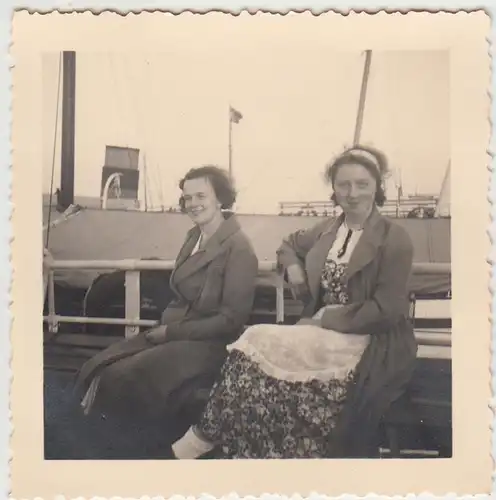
{"x":160,"y":187}
{"x":152,"y":171}
{"x":59,"y":80}
{"x":152,"y":167}
{"x":140,"y":126}
{"x":125,"y":95}
{"x":116,"y":108}
{"x":128,"y":150}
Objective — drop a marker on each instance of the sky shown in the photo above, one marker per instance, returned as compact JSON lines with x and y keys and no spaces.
{"x":299,"y":100}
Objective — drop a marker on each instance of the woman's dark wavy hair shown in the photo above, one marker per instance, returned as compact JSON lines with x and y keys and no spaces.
{"x":377,"y":171}
{"x":221,"y":183}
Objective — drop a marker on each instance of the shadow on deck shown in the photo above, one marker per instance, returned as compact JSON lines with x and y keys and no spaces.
{"x":70,"y":435}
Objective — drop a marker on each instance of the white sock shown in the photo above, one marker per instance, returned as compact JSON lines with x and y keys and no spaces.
{"x":191,"y":446}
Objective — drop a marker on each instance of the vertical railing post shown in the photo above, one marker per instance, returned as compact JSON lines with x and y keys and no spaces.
{"x":133,"y":301}
{"x":53,"y":326}
{"x":46,"y":273}
{"x":280,"y":297}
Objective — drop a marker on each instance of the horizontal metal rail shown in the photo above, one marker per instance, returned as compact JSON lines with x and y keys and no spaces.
{"x":132,"y":267}
{"x":168,"y":265}
{"x":105,"y":321}
{"x":442,"y":339}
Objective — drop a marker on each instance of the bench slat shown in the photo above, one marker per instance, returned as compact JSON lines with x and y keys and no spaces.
{"x":433,"y":309}
{"x":433,"y":330}
{"x":433,"y":352}
{"x":437,"y":339}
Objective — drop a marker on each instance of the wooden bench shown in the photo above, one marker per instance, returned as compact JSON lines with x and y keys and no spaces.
{"x":419,"y":424}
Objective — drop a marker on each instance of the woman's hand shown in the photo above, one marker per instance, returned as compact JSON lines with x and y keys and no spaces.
{"x":318,"y":315}
{"x":309,"y":321}
{"x":297,"y":282}
{"x":296,"y":275}
{"x":157,"y":335}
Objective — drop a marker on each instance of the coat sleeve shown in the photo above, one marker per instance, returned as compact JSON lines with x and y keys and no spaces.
{"x":295,"y":247}
{"x":390,"y":298}
{"x":237,"y":301}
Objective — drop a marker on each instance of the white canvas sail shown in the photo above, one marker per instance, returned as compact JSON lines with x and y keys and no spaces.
{"x":443,"y":208}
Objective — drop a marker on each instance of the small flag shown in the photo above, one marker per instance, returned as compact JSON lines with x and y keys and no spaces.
{"x":235,"y":115}
{"x":400,"y":191}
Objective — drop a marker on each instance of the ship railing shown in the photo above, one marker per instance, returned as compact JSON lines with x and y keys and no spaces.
{"x":133,"y":267}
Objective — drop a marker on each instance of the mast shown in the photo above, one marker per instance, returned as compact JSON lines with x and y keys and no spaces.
{"x":66,"y":197}
{"x":399,"y":195}
{"x":443,"y":202}
{"x":230,"y":144}
{"x":145,"y":184}
{"x":363,"y":95}
{"x":234,"y":117}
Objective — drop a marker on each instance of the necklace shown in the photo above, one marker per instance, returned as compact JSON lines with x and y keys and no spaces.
{"x":345,"y":244}
{"x":347,"y":239}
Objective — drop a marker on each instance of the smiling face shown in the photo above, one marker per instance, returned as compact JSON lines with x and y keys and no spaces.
{"x":200,"y":201}
{"x":355,"y":189}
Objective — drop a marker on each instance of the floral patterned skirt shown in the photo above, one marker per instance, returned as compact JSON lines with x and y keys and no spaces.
{"x":254,"y":415}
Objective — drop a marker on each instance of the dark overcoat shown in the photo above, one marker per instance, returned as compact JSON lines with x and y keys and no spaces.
{"x":377,"y":279}
{"x":214,"y":291}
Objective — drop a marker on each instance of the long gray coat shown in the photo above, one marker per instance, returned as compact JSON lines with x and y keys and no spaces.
{"x":377,"y":278}
{"x":215,"y":290}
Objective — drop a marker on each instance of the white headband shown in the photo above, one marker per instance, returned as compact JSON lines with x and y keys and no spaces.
{"x":366,"y":155}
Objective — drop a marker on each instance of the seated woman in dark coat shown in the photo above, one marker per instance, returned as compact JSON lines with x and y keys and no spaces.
{"x":319,"y":388}
{"x":152,"y":375}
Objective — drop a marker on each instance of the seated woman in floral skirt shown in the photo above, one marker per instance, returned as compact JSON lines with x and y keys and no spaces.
{"x":319,"y":388}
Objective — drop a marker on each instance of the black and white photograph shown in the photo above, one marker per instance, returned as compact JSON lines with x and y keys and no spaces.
{"x":247,"y":249}
{"x":220,"y":367}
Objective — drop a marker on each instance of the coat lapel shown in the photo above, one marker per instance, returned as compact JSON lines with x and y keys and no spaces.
{"x":363,"y":254}
{"x":185,"y":251}
{"x":186,"y":265}
{"x":187,"y":248}
{"x":317,"y":256}
{"x":368,"y":244}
